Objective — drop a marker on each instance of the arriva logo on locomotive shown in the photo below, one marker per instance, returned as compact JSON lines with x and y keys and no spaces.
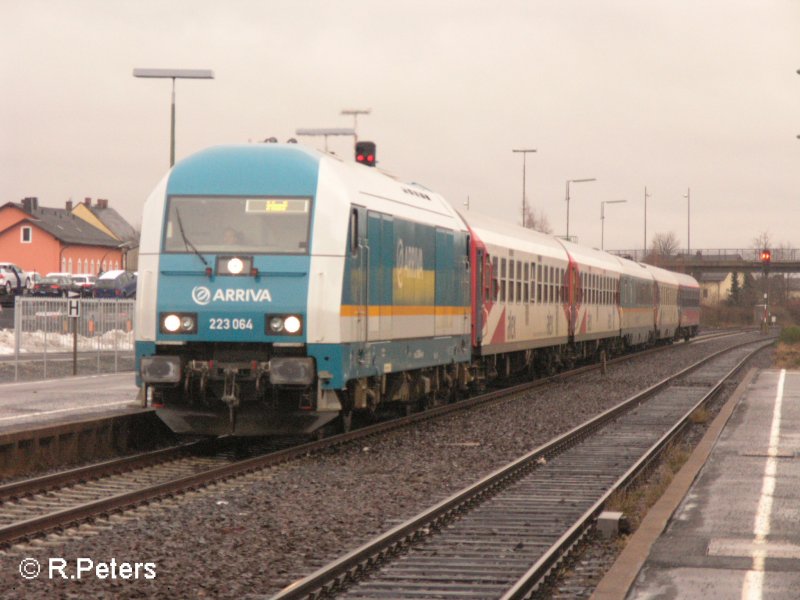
{"x":408,"y":262}
{"x":202,"y":295}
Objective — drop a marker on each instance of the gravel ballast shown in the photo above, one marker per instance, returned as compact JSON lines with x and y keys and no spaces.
{"x":256,"y":535}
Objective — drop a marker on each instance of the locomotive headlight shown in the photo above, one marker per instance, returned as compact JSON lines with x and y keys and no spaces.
{"x":235,"y":266}
{"x":292,"y":324}
{"x":284,"y":324}
{"x":178,"y":322}
{"x":172,"y":323}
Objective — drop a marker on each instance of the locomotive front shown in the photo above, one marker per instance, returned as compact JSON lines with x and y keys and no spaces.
{"x":223,"y":288}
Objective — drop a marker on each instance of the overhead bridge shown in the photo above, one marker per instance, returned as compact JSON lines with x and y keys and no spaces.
{"x":719,"y":260}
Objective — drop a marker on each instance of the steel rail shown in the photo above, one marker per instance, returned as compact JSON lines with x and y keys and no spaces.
{"x":45,"y":483}
{"x":329,"y":578}
{"x":58,"y":520}
{"x":532,"y":578}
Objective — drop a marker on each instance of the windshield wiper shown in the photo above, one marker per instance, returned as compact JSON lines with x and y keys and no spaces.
{"x":186,"y":242}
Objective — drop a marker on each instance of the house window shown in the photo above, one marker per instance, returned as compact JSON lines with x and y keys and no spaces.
{"x":26,"y":234}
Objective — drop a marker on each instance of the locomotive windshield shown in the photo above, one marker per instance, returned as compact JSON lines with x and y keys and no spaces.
{"x":237,"y":224}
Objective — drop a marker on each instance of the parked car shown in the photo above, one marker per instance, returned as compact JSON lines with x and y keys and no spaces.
{"x":13,"y":277}
{"x":83,"y":284}
{"x":115,"y":284}
{"x":53,"y":286}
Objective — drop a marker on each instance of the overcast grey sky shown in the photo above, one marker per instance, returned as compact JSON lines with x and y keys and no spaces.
{"x":670,"y":94}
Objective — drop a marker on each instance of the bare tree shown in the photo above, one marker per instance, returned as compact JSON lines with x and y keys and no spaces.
{"x":536,"y":220}
{"x":762,"y":241}
{"x":664,"y":244}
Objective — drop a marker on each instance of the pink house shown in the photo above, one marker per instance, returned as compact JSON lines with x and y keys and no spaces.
{"x":52,"y":239}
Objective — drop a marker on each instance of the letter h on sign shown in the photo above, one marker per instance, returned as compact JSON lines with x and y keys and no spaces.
{"x":74,"y":309}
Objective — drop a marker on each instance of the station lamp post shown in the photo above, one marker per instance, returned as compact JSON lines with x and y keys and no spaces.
{"x":688,"y":196}
{"x":173,"y":74}
{"x":574,"y":181}
{"x":646,"y":196}
{"x":603,"y":219}
{"x":355,"y":112}
{"x":524,"y":153}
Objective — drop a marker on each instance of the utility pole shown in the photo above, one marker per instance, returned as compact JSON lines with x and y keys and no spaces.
{"x":646,"y":196}
{"x":524,"y":152}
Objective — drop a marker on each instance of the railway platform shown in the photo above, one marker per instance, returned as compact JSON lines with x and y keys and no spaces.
{"x":729,"y":524}
{"x":57,"y":422}
{"x":28,"y":404}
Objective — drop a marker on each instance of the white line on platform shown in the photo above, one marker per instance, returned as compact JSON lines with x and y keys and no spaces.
{"x":63,"y":410}
{"x":753,"y":587}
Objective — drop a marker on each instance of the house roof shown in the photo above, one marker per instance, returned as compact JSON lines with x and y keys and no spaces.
{"x":115,"y":222}
{"x":65,"y":227}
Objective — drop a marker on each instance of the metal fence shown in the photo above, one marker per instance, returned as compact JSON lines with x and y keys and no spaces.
{"x":100,"y":338}
{"x":748,"y":254}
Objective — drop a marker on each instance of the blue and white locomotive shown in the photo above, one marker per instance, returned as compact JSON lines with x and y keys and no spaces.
{"x":280,"y":289}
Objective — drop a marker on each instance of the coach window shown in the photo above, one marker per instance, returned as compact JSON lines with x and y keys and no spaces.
{"x":545,"y":285}
{"x":502,"y":280}
{"x":559,"y":283}
{"x":519,"y":281}
{"x":495,"y":285}
{"x":526,"y":287}
{"x":510,"y":280}
{"x":539,"y":282}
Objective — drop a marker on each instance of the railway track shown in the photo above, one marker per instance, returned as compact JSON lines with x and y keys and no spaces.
{"x":49,"y":503}
{"x":502,"y":536}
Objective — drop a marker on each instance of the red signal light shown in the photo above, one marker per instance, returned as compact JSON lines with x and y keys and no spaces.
{"x":366,"y":153}
{"x":766,"y":256}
